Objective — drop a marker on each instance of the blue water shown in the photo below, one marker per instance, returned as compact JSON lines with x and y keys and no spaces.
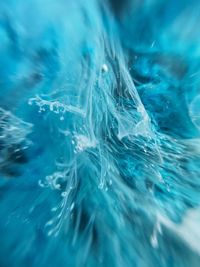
{"x":99,"y":133}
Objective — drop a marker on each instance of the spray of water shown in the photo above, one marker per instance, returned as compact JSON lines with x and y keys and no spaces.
{"x":106,"y":92}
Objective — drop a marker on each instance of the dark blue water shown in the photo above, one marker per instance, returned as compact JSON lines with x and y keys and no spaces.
{"x":99,"y":133}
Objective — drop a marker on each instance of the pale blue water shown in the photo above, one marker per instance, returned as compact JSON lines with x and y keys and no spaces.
{"x":99,"y":133}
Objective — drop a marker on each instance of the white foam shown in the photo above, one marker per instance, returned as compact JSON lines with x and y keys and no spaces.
{"x":188,"y":230}
{"x":83,"y":142}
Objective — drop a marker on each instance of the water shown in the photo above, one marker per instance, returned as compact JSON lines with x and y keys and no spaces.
{"x":99,"y":133}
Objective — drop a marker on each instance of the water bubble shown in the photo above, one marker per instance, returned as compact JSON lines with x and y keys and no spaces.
{"x":64,"y":194}
{"x":104,"y":68}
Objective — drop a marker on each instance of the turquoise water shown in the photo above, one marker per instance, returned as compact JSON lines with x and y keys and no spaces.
{"x":99,"y":133}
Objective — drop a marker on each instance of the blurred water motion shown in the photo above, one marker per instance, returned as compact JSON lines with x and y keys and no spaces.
{"x":99,"y":133}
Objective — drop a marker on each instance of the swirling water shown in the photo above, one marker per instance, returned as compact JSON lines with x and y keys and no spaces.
{"x":99,"y":133}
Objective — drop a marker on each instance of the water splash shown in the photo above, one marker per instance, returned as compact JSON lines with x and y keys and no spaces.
{"x":106,"y":93}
